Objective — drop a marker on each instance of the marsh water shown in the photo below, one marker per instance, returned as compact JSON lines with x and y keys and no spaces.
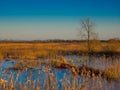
{"x":39,"y":76}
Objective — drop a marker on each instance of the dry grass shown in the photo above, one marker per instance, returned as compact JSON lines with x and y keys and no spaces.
{"x":36,"y":50}
{"x":113,"y":72}
{"x":33,"y":51}
{"x":51,"y":81}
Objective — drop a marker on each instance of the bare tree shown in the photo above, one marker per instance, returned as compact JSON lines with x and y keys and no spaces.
{"x":86,"y":32}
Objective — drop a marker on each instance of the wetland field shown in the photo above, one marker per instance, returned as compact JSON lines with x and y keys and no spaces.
{"x":59,"y":66}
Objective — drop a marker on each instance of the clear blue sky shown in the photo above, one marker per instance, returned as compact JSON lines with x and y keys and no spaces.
{"x":57,"y":19}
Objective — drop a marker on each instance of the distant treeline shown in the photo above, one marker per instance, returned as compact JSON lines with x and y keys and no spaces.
{"x":47,"y":41}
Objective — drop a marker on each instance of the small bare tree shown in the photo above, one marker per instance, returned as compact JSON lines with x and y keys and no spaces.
{"x":86,"y":32}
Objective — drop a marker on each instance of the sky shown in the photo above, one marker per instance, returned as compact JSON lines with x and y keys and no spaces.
{"x":57,"y":19}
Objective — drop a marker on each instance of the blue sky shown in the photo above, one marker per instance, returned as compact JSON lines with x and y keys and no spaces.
{"x":57,"y":19}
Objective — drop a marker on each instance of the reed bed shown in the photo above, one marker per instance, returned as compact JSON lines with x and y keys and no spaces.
{"x":113,"y":71}
{"x":51,"y":83}
{"x":40,"y":76}
{"x":36,"y":70}
{"x":34,"y":51}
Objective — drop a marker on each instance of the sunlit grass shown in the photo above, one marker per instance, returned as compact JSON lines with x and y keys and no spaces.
{"x":113,"y":71}
{"x":33,"y":51}
{"x":89,"y":77}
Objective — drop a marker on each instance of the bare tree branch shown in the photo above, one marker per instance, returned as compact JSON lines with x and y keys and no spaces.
{"x":86,"y":31}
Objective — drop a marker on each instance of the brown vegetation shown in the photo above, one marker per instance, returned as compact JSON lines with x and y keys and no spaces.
{"x":33,"y":51}
{"x":110,"y":73}
{"x":113,"y":71}
{"x":91,"y":78}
